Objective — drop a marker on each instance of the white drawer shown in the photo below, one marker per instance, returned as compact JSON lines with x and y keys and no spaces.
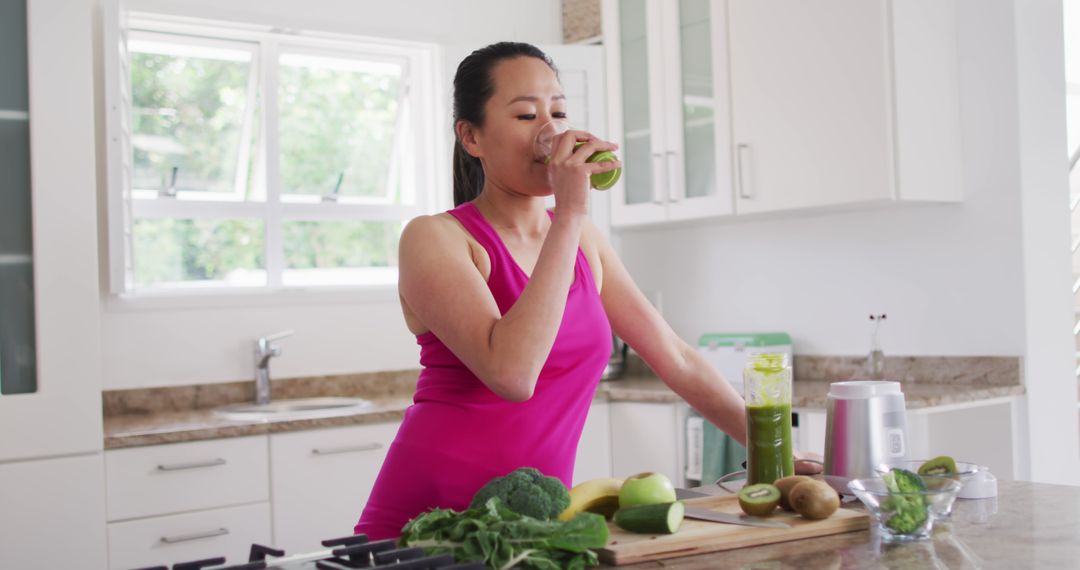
{"x":167,"y":540}
{"x":180,"y":477}
{"x":321,"y":480}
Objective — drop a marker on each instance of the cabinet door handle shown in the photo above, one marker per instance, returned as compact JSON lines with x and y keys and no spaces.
{"x":190,"y":465}
{"x":346,"y":449}
{"x":194,"y":536}
{"x":675,"y":190}
{"x":659,"y":179}
{"x":741,"y":151}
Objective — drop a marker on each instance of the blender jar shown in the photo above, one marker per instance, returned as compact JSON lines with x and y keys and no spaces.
{"x":767,"y":388}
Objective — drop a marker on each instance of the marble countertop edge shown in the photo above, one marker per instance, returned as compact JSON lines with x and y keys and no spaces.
{"x":137,"y":430}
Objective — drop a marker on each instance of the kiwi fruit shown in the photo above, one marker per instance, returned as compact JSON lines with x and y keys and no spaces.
{"x":941,"y":465}
{"x":759,"y":500}
{"x":786,"y":485}
{"x":814,"y":499}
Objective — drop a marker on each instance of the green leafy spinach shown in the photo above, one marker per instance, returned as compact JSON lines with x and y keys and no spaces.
{"x":502,"y":538}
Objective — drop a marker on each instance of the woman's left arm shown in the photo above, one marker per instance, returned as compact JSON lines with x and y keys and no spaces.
{"x":679,"y":365}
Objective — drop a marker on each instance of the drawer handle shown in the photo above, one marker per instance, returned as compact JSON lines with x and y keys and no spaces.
{"x":194,"y":536}
{"x":346,"y":449}
{"x":191,"y":465}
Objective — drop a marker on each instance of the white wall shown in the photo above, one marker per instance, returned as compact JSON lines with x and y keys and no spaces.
{"x":948,"y":277}
{"x":183,"y":345}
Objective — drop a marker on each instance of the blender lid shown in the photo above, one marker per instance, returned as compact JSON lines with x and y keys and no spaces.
{"x":861,"y":389}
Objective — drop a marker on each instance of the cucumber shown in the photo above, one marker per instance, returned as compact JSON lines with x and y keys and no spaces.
{"x":662,"y":518}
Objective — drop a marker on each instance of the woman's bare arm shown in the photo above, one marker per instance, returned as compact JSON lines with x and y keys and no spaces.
{"x":680,"y":366}
{"x":444,"y":289}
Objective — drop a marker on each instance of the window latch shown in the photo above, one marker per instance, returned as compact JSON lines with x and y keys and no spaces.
{"x":169,"y":191}
{"x":334,"y":194}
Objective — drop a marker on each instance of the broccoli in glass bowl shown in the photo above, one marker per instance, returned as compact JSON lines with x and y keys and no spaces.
{"x":903,"y":503}
{"x":959,"y":470}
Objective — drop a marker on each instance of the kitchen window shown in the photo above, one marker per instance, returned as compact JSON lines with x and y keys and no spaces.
{"x":251,"y":159}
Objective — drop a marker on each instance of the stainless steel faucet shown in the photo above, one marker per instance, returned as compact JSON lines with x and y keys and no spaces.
{"x":264,"y":350}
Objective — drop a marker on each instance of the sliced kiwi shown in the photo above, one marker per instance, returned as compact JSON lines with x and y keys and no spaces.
{"x":786,"y":485}
{"x":759,"y":500}
{"x":940,"y":465}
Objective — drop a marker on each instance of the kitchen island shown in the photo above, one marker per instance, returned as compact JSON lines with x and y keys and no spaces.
{"x":1029,"y":525}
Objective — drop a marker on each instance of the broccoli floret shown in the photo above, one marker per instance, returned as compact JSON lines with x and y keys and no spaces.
{"x":528,"y":492}
{"x":904,"y":481}
{"x":909,"y":511}
{"x":907,"y":519}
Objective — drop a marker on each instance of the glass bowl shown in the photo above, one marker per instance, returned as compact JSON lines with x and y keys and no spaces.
{"x":964,"y":473}
{"x":906,"y":516}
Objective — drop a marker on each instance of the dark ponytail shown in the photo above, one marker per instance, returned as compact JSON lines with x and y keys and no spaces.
{"x":473,"y":86}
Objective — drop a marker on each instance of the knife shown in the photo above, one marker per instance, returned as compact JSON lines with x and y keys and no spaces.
{"x":714,"y":516}
{"x":681,"y":494}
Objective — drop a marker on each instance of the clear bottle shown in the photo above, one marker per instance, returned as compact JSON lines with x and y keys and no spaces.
{"x":767,"y":390}
{"x":875,"y":361}
{"x":542,"y":151}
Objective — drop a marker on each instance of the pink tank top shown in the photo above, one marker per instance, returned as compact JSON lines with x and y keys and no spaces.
{"x":458,"y":434}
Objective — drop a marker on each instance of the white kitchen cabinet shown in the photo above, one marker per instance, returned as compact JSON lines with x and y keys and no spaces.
{"x":227,"y":532}
{"x":179,"y":477}
{"x":811,"y":431}
{"x":321,"y":479}
{"x":593,"y":459}
{"x":839,"y":102}
{"x":669,"y":109}
{"x":648,"y":437}
{"x":52,"y":513}
{"x":975,"y":432}
{"x":52,"y":500}
{"x":58,"y":409}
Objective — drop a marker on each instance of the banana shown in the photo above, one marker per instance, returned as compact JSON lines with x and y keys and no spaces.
{"x":600,"y":496}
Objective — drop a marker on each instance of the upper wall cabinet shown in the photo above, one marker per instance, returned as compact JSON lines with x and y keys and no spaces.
{"x":832,"y":103}
{"x":843,"y":101}
{"x":50,"y":379}
{"x":669,"y":109}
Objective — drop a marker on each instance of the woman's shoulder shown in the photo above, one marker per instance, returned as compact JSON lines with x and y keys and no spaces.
{"x":592,"y":239}
{"x":439,"y":240}
{"x":440,"y":232}
{"x":431,"y":226}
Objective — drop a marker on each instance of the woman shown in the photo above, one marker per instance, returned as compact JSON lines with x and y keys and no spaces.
{"x":513,"y":306}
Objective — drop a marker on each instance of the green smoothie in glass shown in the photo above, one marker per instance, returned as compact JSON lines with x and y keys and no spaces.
{"x":769,"y":456}
{"x":542,"y":147}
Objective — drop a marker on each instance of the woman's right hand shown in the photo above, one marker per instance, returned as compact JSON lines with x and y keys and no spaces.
{"x":569,"y":172}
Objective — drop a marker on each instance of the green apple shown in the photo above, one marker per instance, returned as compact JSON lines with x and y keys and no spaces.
{"x":646,"y":489}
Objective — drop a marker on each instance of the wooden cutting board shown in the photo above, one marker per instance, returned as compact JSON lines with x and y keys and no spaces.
{"x":700,"y":537}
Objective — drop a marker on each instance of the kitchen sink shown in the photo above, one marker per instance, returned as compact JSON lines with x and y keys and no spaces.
{"x":300,"y":408}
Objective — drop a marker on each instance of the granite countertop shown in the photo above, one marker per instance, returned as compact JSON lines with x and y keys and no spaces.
{"x":135,"y":430}
{"x":153,"y":416}
{"x":1029,"y":525}
{"x":811,"y":393}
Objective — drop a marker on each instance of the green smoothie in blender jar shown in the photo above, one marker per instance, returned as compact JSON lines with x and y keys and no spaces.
{"x":769,"y":456}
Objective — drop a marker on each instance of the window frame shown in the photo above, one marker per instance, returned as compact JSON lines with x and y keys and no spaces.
{"x":421,"y":177}
{"x":252,"y":48}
